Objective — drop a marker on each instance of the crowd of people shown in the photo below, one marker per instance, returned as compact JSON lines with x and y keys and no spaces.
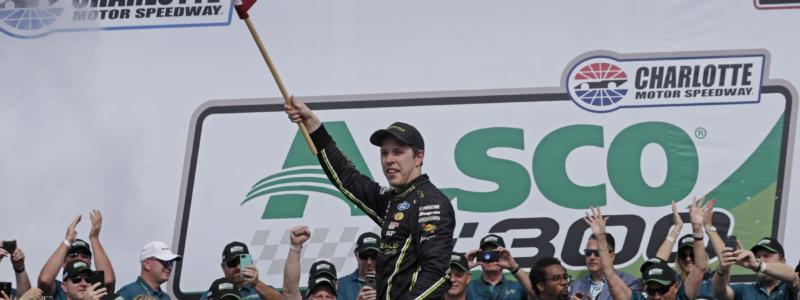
{"x":413,"y":258}
{"x":496,"y":273}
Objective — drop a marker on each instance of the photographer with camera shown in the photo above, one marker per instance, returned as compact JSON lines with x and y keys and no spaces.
{"x":361,"y":283}
{"x":493,"y":257}
{"x":775,"y":278}
{"x":238,"y":267}
{"x":17,"y":258}
{"x":78,"y":283}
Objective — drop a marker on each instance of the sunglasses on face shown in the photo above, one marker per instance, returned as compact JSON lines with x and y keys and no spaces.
{"x":78,"y":279}
{"x":686,"y":254}
{"x":558,"y":278}
{"x":166,"y":264}
{"x":657,"y":290}
{"x":590,"y":252}
{"x":368,"y":255}
{"x":232,"y":263}
{"x":81,"y":254}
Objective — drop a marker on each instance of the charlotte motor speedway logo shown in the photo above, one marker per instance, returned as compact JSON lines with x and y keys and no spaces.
{"x":37,"y":18}
{"x":605,"y":82}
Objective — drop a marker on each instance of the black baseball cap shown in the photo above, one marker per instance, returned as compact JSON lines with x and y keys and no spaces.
{"x":223,"y":289}
{"x":321,"y":280}
{"x":661,"y":274}
{"x":768,"y":244}
{"x":650,"y":262}
{"x":74,"y":268}
{"x":322,"y":267}
{"x":79,"y":246}
{"x":401,"y":131}
{"x":459,"y":260}
{"x":367,"y":241}
{"x":494,"y":240}
{"x":234,"y":250}
{"x":686,"y":241}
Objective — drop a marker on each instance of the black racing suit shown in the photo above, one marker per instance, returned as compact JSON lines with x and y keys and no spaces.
{"x":417,"y":224}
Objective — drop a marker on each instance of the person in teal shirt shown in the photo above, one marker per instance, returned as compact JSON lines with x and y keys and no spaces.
{"x":353,"y":285}
{"x":776,"y":279}
{"x":156,"y":261}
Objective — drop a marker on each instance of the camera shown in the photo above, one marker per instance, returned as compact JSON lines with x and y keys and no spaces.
{"x":488,"y":256}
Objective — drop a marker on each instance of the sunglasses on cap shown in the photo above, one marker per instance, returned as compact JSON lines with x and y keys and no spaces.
{"x":368,"y":255}
{"x":78,"y":278}
{"x":657,"y":289}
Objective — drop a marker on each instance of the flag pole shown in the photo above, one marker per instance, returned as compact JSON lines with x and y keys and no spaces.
{"x":263,"y":49}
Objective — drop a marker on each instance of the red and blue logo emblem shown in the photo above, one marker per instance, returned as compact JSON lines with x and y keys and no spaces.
{"x":600,"y":84}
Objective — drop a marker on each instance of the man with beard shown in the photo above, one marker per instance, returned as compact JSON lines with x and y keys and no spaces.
{"x":776,"y":280}
{"x":550,"y":279}
{"x":246,"y":280}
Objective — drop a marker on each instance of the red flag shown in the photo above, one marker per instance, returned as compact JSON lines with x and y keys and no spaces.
{"x":242,"y":6}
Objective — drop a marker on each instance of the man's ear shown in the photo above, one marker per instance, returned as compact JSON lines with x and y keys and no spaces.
{"x":419,"y":158}
{"x":539,"y":287}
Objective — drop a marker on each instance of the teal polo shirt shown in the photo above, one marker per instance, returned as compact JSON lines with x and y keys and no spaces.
{"x":59,"y":292}
{"x":704,"y":288}
{"x":349,"y":286}
{"x":754,"y":291}
{"x":504,"y":290}
{"x":246,"y":292}
{"x":139,"y":287}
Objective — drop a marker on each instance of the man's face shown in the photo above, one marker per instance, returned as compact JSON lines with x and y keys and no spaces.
{"x":366,"y":262}
{"x":158,"y":269}
{"x":767,"y":257}
{"x":459,"y":279}
{"x":656,"y":291}
{"x":232,"y":271}
{"x":322,"y":293}
{"x":556,"y":285}
{"x":78,"y":255}
{"x":592,"y":259}
{"x":399,"y":162}
{"x":686,"y":259}
{"x":76,"y":291}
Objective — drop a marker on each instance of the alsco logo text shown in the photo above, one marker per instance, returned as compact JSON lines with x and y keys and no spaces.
{"x":605,"y":83}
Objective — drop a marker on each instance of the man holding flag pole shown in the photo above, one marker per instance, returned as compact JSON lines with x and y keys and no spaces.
{"x":416,"y":218}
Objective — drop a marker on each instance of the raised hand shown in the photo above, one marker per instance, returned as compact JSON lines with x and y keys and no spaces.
{"x":506,"y":261}
{"x":250,"y":275}
{"x":470,"y":256}
{"x":676,"y":217}
{"x":94,"y":292}
{"x":97,"y":223}
{"x":596,"y":221}
{"x":18,"y":259}
{"x":72,"y":234}
{"x":697,"y":211}
{"x":707,"y":218}
{"x":299,"y":235}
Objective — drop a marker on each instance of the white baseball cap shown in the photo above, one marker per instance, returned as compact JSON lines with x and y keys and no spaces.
{"x":159,"y":250}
